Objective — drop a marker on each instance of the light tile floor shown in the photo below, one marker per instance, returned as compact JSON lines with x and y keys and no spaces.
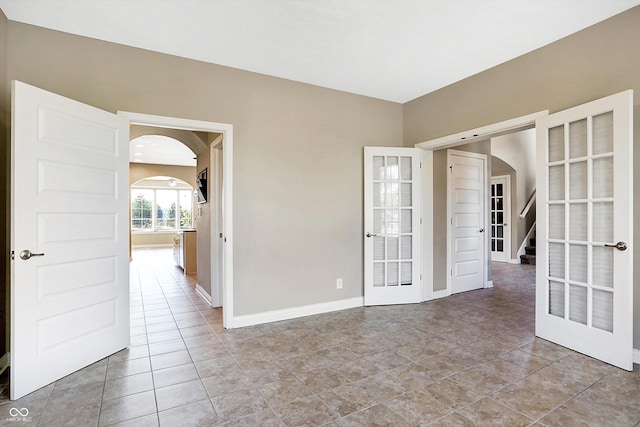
{"x":467,"y":360}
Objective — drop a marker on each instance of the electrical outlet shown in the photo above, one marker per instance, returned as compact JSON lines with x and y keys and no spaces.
{"x":339,"y":283}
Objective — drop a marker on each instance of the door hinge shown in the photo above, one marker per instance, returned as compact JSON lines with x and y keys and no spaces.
{"x":451,"y":272}
{"x":13,"y":255}
{"x":420,"y":165}
{"x":451,"y":169}
{"x":421,"y":277}
{"x":420,"y":220}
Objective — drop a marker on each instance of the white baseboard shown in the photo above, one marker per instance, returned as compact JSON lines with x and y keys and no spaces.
{"x":295,"y":312}
{"x":514,"y":261}
{"x":636,"y":356}
{"x":4,"y":362}
{"x":200,"y":290}
{"x":441,"y":294}
{"x":153,"y":245}
{"x":489,"y":284}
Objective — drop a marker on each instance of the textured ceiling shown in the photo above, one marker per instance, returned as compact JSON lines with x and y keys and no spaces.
{"x":389,"y":49}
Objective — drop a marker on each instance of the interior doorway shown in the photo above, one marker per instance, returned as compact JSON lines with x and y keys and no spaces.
{"x":216,"y":228}
{"x":437,"y":283}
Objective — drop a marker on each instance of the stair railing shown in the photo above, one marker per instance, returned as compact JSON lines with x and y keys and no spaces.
{"x":530,"y":203}
{"x":525,"y":241}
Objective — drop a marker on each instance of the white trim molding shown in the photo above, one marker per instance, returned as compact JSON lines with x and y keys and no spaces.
{"x":484,"y":132}
{"x":152,"y":245}
{"x":295,"y":312}
{"x":636,"y":356}
{"x":203,"y":294}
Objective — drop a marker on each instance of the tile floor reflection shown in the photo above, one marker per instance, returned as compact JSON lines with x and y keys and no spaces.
{"x":467,"y":360}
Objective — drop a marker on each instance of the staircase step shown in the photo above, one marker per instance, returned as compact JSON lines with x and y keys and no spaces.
{"x":530,"y":250}
{"x":532,"y":242}
{"x":528,"y":259}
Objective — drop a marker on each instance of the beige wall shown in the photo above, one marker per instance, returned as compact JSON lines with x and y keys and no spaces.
{"x":138,"y":171}
{"x":593,"y":63}
{"x":152,"y":239}
{"x":297,"y":154}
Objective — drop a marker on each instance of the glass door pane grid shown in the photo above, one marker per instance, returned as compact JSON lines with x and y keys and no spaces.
{"x":392,"y":220}
{"x":497,"y":230}
{"x":567,"y":202}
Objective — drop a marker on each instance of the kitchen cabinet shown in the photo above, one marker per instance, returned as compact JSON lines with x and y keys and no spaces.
{"x":185,"y":250}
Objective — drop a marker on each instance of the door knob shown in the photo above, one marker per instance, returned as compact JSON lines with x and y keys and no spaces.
{"x":371,"y":235}
{"x":481,"y":230}
{"x":621,"y":246}
{"x":26,"y":254}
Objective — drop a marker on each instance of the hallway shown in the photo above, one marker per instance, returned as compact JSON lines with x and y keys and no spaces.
{"x":467,"y":360}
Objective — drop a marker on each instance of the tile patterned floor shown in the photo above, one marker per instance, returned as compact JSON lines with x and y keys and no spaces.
{"x":467,"y":360}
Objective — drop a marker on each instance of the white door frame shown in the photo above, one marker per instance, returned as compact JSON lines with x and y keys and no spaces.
{"x":227,"y":131}
{"x":507,"y":209}
{"x":450,"y":141}
{"x":485,"y":242}
{"x":216,"y":179}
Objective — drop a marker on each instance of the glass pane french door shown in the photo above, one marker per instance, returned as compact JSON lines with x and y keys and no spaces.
{"x":392,"y":215}
{"x":500,"y":213}
{"x":585,"y":284}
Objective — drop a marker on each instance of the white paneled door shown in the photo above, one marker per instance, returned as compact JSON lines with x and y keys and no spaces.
{"x":467,"y":218}
{"x":392,"y":212}
{"x":69,"y":234}
{"x":584,"y":283}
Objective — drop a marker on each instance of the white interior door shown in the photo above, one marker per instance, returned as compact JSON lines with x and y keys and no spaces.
{"x":69,"y":203}
{"x":500,"y":217}
{"x":584,"y":285}
{"x":392,"y":211}
{"x":467,"y":220}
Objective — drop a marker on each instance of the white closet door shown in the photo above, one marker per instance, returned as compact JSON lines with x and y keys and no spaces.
{"x":584,"y":292}
{"x":467,"y":219}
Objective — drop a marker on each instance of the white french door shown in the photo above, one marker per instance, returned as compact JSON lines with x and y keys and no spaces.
{"x":584,"y":283}
{"x":392,"y":212}
{"x":467,"y":218}
{"x":69,"y":237}
{"x":500,"y":216}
